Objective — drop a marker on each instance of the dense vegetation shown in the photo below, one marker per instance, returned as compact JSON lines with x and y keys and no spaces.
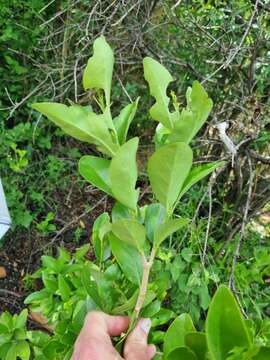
{"x":222,"y":44}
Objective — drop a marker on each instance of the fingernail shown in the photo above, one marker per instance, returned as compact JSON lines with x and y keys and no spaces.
{"x":145,"y":325}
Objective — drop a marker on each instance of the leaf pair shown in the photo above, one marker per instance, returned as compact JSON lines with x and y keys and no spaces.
{"x":116,"y":177}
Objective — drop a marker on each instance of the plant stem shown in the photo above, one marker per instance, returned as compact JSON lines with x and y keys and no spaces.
{"x":144,"y":284}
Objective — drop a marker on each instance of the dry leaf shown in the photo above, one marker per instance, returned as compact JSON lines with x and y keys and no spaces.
{"x":3,"y":272}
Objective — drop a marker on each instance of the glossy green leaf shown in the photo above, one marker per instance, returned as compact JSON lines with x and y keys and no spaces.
{"x":99,"y":69}
{"x":158,"y":78}
{"x":82,"y":125}
{"x":175,"y":335}
{"x":168,"y":168}
{"x":101,"y":245}
{"x":155,"y":215}
{"x":197,"y":173}
{"x":123,"y":121}
{"x":128,"y":258}
{"x":64,"y":288}
{"x":196,"y":341}
{"x":96,"y":171}
{"x":168,"y":228}
{"x":194,"y":116}
{"x":181,"y":353}
{"x":123,"y":174}
{"x":130,"y":232}
{"x":225,"y":327}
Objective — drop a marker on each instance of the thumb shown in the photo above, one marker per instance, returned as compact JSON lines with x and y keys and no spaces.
{"x":136,"y":347}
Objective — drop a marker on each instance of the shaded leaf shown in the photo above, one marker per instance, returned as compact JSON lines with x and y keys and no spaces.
{"x":168,"y":168}
{"x":175,"y":335}
{"x":131,"y":232}
{"x":123,"y":174}
{"x":168,"y":228}
{"x":101,"y":245}
{"x":128,"y":258}
{"x":225,"y":327}
{"x":197,"y":173}
{"x":154,"y":215}
{"x":181,"y":353}
{"x":196,"y":341}
{"x":96,"y":171}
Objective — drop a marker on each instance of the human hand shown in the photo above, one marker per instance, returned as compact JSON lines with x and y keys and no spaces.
{"x":94,"y":341}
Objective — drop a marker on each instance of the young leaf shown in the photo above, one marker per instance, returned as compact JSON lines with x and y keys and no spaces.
{"x":181,"y":353}
{"x":64,"y":288}
{"x":196,"y":341}
{"x":128,"y":258}
{"x":96,"y":170}
{"x":175,"y":335}
{"x":123,"y":121}
{"x":197,"y":173}
{"x":99,"y":69}
{"x":166,"y":229}
{"x":82,"y":125}
{"x":20,"y":320}
{"x":158,"y":78}
{"x":101,"y":246}
{"x":193,"y":117}
{"x":154,"y":216}
{"x":131,"y":232}
{"x":123,"y":174}
{"x":23,"y":350}
{"x":168,"y":168}
{"x":225,"y":327}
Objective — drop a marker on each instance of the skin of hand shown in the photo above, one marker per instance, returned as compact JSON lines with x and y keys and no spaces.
{"x":94,"y":341}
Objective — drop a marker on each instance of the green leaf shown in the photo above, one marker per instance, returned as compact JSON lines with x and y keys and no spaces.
{"x":99,"y":69}
{"x":64,"y":288}
{"x":168,"y":168}
{"x":82,"y":125}
{"x":131,"y":232}
{"x":158,"y":78}
{"x":128,"y":258}
{"x":123,"y":121}
{"x":168,"y":228}
{"x":154,"y":216}
{"x":225,"y":327}
{"x":12,"y":352}
{"x":127,"y":306}
{"x":196,"y":341}
{"x":96,"y":171}
{"x":49,"y":282}
{"x":101,"y":226}
{"x":120,"y":211}
{"x":20,"y":320}
{"x":91,"y":286}
{"x":123,"y":174}
{"x":23,"y":350}
{"x":197,"y":173}
{"x":263,"y":354}
{"x":181,"y":353}
{"x":193,"y":117}
{"x":175,"y":335}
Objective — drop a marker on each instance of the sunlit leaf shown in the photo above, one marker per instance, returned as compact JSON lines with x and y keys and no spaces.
{"x":123,"y":174}
{"x":131,"y":232}
{"x":123,"y":121}
{"x":166,"y":229}
{"x":168,"y":168}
